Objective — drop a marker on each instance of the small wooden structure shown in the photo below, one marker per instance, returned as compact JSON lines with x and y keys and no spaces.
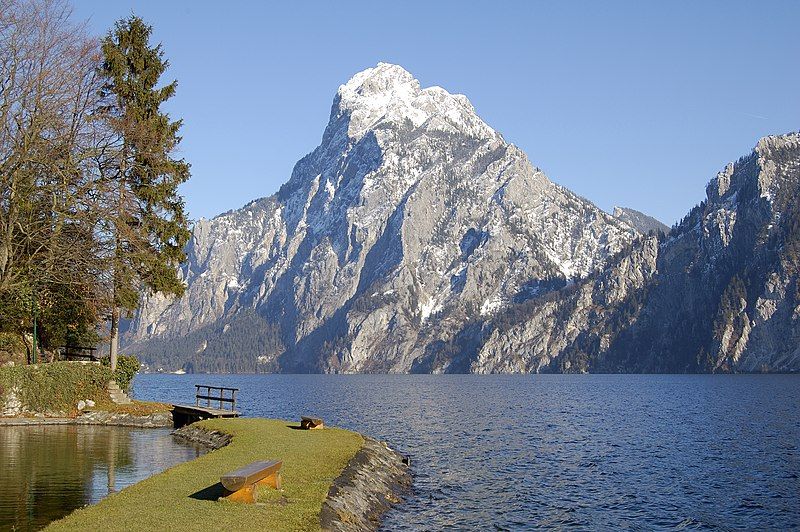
{"x":307,"y":422}
{"x":223,"y":396}
{"x":75,"y":352}
{"x":240,"y":484}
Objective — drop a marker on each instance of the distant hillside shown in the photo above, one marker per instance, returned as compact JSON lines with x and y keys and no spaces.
{"x":639,"y":221}
{"x":719,"y":293}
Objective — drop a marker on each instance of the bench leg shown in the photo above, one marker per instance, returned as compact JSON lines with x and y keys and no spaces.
{"x":248,"y":493}
{"x":245,"y":495}
{"x":274,"y":480}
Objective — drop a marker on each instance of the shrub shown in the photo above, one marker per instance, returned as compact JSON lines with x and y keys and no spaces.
{"x":127,"y":367}
{"x":55,"y":387}
{"x":11,"y":348}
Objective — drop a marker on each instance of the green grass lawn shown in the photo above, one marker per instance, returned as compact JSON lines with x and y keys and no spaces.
{"x":137,"y":408}
{"x":312,"y":459}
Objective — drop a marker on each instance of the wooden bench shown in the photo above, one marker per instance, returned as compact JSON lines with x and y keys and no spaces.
{"x":76,"y":352}
{"x":307,"y":422}
{"x":240,"y":484}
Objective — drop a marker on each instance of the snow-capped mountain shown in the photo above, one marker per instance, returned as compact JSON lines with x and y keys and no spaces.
{"x":415,"y":239}
{"x":412,"y":219}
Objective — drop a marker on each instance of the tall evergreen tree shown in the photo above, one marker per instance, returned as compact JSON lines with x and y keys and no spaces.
{"x":148,"y":227}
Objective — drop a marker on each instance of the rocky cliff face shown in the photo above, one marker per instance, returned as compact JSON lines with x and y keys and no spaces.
{"x":415,"y":239}
{"x":719,"y":293}
{"x":410,"y":218}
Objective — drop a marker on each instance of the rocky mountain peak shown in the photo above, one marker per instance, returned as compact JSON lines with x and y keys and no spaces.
{"x":415,"y":239}
{"x":381,"y":79}
{"x":764,"y":171}
{"x":411,"y":218}
{"x":389,"y":94}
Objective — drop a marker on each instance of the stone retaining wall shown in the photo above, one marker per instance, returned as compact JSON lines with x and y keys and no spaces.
{"x":212,"y":439}
{"x":156,"y":420}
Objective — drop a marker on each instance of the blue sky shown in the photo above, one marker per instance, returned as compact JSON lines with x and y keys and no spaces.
{"x":636,"y":104}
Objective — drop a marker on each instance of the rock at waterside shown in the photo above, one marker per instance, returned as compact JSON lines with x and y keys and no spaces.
{"x":12,"y":406}
{"x":375,"y":479}
{"x":213,"y":439}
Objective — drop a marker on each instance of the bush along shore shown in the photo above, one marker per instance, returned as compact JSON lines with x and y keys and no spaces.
{"x":72,"y":392}
{"x":333,"y":479}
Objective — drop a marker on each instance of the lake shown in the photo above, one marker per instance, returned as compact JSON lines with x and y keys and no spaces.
{"x":555,"y":451}
{"x":46,"y":472}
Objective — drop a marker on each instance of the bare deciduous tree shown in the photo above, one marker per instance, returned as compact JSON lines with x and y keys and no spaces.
{"x":51,"y":163}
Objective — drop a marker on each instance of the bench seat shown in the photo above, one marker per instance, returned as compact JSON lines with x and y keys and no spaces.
{"x":240,"y":484}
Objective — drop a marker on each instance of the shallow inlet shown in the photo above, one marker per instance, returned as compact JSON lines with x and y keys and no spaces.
{"x":49,"y":471}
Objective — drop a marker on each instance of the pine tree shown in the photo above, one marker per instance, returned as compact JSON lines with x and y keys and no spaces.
{"x":149,"y":227}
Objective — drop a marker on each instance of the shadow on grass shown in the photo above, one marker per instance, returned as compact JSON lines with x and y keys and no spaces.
{"x":211,"y":493}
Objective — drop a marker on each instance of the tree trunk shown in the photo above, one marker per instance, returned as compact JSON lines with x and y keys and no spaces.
{"x":28,"y":348}
{"x":114,"y":345}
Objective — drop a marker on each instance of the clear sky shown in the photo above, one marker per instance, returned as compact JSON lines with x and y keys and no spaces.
{"x":632,"y":103}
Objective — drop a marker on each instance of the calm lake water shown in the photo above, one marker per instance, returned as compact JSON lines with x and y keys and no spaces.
{"x":585,"y":451}
{"x":46,"y":472}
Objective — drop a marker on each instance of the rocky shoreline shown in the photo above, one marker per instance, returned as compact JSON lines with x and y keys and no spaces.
{"x":374,"y":480}
{"x":212,"y":439}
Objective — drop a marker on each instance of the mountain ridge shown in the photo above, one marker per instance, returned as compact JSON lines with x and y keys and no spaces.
{"x":391,"y":248}
{"x":639,"y":220}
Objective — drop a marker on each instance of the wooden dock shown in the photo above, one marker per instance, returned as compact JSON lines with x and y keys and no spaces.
{"x":187,"y":414}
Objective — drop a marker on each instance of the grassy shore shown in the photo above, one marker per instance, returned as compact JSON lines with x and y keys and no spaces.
{"x":136,"y":408}
{"x":177,"y":499}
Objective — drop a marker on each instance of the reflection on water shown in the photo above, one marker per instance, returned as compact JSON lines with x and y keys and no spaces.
{"x":559,"y":451}
{"x":48,"y":471}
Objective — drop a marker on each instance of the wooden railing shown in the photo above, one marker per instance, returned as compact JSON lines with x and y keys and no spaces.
{"x":225,"y":397}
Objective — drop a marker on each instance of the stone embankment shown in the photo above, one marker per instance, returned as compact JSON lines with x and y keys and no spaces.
{"x":376,"y":479}
{"x":117,"y":419}
{"x":213,"y":439}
